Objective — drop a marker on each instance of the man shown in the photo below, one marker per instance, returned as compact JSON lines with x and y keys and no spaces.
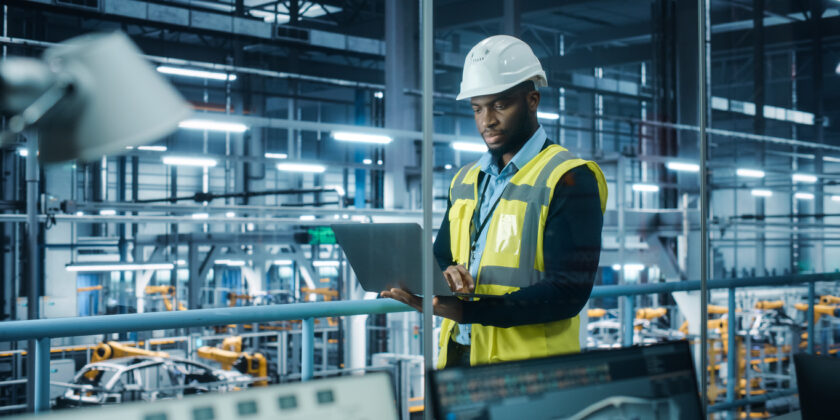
{"x":523,"y":223}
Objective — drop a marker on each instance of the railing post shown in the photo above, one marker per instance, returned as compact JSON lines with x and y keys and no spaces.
{"x":307,"y":353}
{"x":810,"y":315}
{"x":629,"y":319}
{"x":732,"y":354}
{"x":42,"y":375}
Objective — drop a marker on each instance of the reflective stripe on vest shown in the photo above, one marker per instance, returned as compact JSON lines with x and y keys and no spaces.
{"x":513,"y":253}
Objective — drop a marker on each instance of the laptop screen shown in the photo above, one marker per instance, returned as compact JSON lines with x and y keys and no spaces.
{"x":652,"y":382}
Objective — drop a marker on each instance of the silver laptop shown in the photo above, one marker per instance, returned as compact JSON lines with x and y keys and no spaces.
{"x":387,"y":255}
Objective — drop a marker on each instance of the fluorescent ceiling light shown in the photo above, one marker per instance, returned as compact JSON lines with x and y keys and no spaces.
{"x":750,"y":173}
{"x":835,"y":198}
{"x":361,"y":138}
{"x":199,"y":74}
{"x":645,"y":187}
{"x":152,"y":148}
{"x":107,"y":212}
{"x":188,"y":161}
{"x":634,"y":267}
{"x":80,"y":213}
{"x":230,"y":263}
{"x":90,"y":267}
{"x":803,"y":196}
{"x":379,"y":162}
{"x":230,"y":214}
{"x":307,"y":217}
{"x":181,"y":263}
{"x":24,"y":152}
{"x":200,"y":216}
{"x":211,"y":125}
{"x":368,"y":161}
{"x":378,"y":94}
{"x":683,"y":166}
{"x":761,"y":193}
{"x":548,"y":115}
{"x":301,"y":167}
{"x":282,"y":262}
{"x":325,"y":263}
{"x":447,"y":166}
{"x":616,"y":267}
{"x":276,"y":156}
{"x":468,"y":146}
{"x":806,"y":178}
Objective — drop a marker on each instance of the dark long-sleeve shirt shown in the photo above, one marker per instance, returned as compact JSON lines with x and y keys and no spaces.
{"x":571,"y":250}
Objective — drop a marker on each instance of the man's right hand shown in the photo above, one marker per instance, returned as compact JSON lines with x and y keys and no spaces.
{"x":459,"y":279}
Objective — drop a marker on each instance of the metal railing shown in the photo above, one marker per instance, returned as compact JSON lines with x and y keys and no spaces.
{"x":42,"y":330}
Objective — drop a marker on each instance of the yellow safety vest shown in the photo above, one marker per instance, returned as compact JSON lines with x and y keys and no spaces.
{"x":513,"y":255}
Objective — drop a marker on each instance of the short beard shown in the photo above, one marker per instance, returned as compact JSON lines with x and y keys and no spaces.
{"x":518,"y":138}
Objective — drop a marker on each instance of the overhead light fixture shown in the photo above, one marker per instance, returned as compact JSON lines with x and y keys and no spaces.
{"x":230,"y":214}
{"x":761,"y":193}
{"x":230,"y":263}
{"x":645,"y":188}
{"x":548,"y":115}
{"x":23,"y":152}
{"x":803,"y":196}
{"x":200,"y":216}
{"x":80,"y":213}
{"x":805,"y":178}
{"x":282,"y":262}
{"x":835,"y":198}
{"x":379,"y":162}
{"x":107,"y":212}
{"x":152,"y":148}
{"x":447,"y":166}
{"x":616,"y":267}
{"x":91,"y":267}
{"x":378,"y":94}
{"x":307,"y":217}
{"x":749,"y":173}
{"x":634,"y":267}
{"x":468,"y":146}
{"x":301,"y":167}
{"x":368,"y":161}
{"x":325,"y":263}
{"x":211,"y":125}
{"x":276,"y":156}
{"x":361,"y":138}
{"x":198,"y":74}
{"x":188,"y":161}
{"x":683,"y":166}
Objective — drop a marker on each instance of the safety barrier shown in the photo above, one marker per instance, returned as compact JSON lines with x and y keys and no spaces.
{"x":42,"y":330}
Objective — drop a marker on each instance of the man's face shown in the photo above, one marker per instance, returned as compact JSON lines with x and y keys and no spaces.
{"x":502,"y":118}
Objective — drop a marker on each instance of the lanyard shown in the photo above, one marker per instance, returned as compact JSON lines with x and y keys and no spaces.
{"x":475,"y":233}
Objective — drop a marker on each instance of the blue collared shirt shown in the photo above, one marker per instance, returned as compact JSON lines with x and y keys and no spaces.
{"x":495,"y":181}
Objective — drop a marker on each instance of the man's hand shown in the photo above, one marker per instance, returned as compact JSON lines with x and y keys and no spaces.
{"x":446,"y":306}
{"x":459,"y":279}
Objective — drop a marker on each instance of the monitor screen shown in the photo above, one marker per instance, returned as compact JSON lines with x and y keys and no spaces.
{"x":651,"y":382}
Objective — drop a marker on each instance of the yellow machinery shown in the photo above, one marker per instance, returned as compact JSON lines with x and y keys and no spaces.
{"x":254,"y":365}
{"x":769,"y":304}
{"x":829,"y":300}
{"x":167,"y":292}
{"x":234,"y":298}
{"x":113,"y":350}
{"x":650,"y":313}
{"x":820,"y":310}
{"x":233,"y":343}
{"x":596,"y":312}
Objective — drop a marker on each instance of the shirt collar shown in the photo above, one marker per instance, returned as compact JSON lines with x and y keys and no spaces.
{"x":530,"y":150}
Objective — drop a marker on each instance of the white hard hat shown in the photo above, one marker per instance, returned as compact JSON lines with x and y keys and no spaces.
{"x":499,"y":63}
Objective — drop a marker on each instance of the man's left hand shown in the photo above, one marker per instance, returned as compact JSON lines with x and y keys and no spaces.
{"x":449,"y":307}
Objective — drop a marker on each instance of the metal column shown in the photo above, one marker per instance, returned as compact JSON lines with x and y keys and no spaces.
{"x":702,"y":45}
{"x":37,"y":383}
{"x":427,"y":184}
